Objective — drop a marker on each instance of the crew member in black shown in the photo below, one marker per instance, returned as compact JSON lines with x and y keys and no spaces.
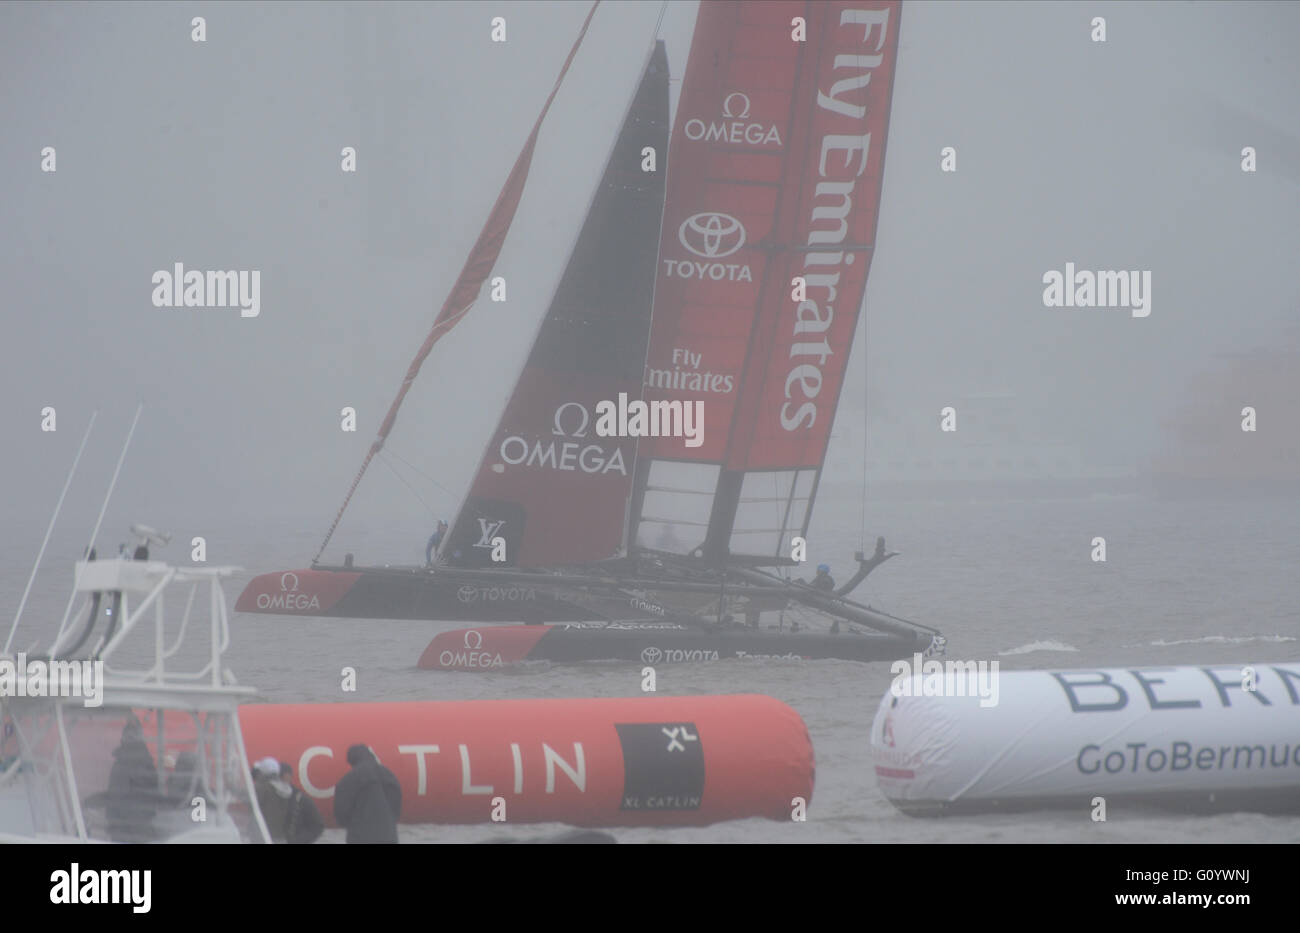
{"x":132,"y":797}
{"x":368,"y":799}
{"x":304,"y":825}
{"x":186,"y":780}
{"x":823,"y":580}
{"x":434,"y":540}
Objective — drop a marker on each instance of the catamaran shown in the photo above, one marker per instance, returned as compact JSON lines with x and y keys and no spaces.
{"x":730,"y":284}
{"x":130,"y":727}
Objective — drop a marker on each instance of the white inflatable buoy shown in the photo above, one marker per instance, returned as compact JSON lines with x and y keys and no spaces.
{"x":1196,"y":739}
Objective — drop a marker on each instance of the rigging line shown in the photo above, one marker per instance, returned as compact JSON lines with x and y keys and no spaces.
{"x":63,"y":625}
{"x":776,"y":505}
{"x":478,"y":266}
{"x":53,"y":518}
{"x":866,"y":383}
{"x":412,"y":466}
{"x":116,"y":471}
{"x":663,"y":8}
{"x":414,"y":492}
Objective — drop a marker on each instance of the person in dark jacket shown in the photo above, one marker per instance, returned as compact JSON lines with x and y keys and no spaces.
{"x":304,"y":824}
{"x":132,"y":798}
{"x":368,"y":799}
{"x":435,"y":539}
{"x":823,"y":580}
{"x":186,"y":780}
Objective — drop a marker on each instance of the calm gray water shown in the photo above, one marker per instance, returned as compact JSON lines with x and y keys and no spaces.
{"x":1185,"y":583}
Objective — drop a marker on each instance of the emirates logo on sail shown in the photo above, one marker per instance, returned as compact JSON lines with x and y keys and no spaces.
{"x":734,"y":127}
{"x":842,"y":160}
{"x":710,"y":235}
{"x":686,"y":374}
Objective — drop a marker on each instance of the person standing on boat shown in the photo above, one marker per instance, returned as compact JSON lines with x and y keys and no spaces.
{"x":304,"y":824}
{"x":368,"y":799}
{"x":823,"y":580}
{"x":132,"y":797}
{"x":186,"y":780}
{"x":434,"y":540}
{"x":272,"y":796}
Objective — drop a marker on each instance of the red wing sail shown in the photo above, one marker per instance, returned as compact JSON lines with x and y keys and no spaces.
{"x":727,"y":158}
{"x":551,"y":489}
{"x":776,"y":160}
{"x":829,"y":207}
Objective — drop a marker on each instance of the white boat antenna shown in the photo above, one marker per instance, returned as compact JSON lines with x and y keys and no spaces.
{"x":67,"y":612}
{"x":53,"y":518}
{"x":113,"y":482}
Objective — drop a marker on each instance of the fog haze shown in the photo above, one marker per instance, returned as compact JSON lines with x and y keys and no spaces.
{"x":226,"y":155}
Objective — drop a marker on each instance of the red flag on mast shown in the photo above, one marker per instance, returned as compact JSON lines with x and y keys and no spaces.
{"x":470,"y":281}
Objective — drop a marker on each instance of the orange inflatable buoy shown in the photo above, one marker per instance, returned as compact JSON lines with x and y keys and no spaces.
{"x":640,"y":761}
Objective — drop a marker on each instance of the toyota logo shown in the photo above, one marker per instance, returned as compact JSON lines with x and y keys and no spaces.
{"x":467,"y":594}
{"x":711,"y":235}
{"x":284,"y":578}
{"x":651,"y":655}
{"x":473,"y":640}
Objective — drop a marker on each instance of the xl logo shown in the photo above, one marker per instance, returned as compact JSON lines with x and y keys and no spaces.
{"x":674,"y":744}
{"x":487,"y":530}
{"x":711,"y":235}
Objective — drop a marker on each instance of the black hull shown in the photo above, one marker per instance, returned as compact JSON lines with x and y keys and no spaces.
{"x":575,"y":644}
{"x":619,"y":612}
{"x":412,"y":593}
{"x":484,"y":649}
{"x":449,"y":597}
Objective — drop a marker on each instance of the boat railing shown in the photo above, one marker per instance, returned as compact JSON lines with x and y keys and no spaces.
{"x":158,"y":755}
{"x":141,"y":585}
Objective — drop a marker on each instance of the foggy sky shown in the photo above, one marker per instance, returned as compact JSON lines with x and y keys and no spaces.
{"x":226,"y":155}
